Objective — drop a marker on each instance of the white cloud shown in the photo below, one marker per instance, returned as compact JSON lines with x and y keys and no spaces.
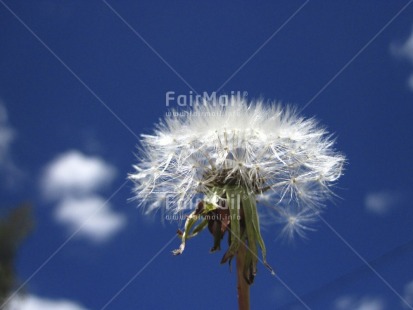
{"x":9,"y":173}
{"x":404,"y":51}
{"x":32,"y":302}
{"x":382,"y":202}
{"x":74,"y":173}
{"x":408,"y":294}
{"x":93,"y":214}
{"x":6,"y":134}
{"x":364,"y":303}
{"x":72,"y":180}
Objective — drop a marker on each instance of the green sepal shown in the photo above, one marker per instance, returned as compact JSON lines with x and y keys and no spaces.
{"x":234,"y":205}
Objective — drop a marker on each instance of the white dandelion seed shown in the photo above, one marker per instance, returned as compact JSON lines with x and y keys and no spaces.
{"x":264,"y":148}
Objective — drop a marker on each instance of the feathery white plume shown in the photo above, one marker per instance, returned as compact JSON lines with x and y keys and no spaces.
{"x":264,"y":148}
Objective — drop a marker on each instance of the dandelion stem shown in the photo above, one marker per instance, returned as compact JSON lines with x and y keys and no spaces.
{"x":242,"y":285}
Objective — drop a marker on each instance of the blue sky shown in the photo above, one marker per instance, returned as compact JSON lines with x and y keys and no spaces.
{"x":80,"y":81}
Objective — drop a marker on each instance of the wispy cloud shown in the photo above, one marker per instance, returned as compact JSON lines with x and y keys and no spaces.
{"x":72,"y":180}
{"x":408,"y":294}
{"x":9,"y":173}
{"x":93,"y":214}
{"x":6,"y":133}
{"x":32,"y":302}
{"x":382,"y":202}
{"x":404,"y":51}
{"x":363,"y":303}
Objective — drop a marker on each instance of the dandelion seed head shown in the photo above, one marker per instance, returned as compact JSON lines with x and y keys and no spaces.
{"x":297,"y":222}
{"x":266,"y":148}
